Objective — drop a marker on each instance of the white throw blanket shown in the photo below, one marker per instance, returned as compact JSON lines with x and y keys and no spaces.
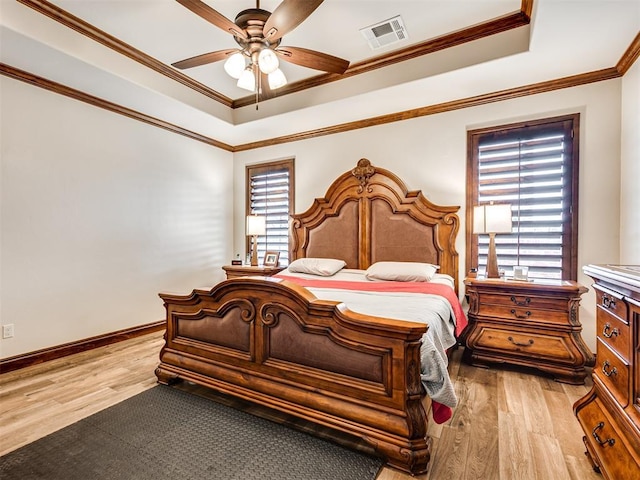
{"x":432,"y":310}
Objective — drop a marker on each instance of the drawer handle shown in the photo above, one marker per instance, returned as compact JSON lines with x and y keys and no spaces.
{"x":521,"y":303}
{"x":528,"y":344}
{"x":608,"y":441}
{"x":608,"y":373}
{"x":608,"y":333}
{"x":608,"y":301}
{"x":519,"y":315}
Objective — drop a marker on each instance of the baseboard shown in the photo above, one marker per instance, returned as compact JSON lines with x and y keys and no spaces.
{"x":39,"y":356}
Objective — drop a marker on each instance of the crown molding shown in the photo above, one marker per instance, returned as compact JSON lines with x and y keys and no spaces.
{"x":508,"y":94}
{"x":88,"y":30}
{"x":630,"y":56}
{"x":58,"y":88}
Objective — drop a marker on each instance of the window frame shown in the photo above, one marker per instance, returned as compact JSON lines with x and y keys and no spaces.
{"x":571,"y":124}
{"x":256,"y":169}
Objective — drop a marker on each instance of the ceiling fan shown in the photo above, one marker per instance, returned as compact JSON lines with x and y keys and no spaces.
{"x":258,"y":33}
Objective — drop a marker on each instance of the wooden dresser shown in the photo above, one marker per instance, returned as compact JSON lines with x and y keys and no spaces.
{"x":610,"y":413}
{"x":235,"y":271}
{"x":531,"y":324}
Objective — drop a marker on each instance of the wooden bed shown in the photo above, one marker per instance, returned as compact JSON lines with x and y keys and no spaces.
{"x":273,"y":343}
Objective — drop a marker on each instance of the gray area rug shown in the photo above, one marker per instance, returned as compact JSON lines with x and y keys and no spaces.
{"x":165,"y":433}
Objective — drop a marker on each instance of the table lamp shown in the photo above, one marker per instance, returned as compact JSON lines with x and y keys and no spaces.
{"x":256,"y":225}
{"x":492,"y":219}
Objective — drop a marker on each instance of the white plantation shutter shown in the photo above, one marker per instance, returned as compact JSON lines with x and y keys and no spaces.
{"x":270,"y":194}
{"x":534,"y":168}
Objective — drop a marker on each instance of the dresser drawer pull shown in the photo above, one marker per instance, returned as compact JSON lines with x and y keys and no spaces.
{"x":519,"y":315}
{"x":608,"y":333}
{"x":608,"y":441}
{"x":608,"y":301}
{"x":521,"y":303}
{"x":608,"y":373}
{"x":528,"y":344}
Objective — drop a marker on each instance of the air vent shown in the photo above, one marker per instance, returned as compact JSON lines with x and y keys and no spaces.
{"x":385,"y":33}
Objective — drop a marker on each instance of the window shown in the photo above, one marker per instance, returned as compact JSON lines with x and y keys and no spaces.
{"x":270,"y":194}
{"x":534,"y":167}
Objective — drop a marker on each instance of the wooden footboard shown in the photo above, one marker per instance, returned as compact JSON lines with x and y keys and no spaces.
{"x":273,"y":343}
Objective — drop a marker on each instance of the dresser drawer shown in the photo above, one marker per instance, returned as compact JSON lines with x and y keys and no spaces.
{"x":611,"y":302}
{"x":614,"y":333}
{"x":524,"y":314}
{"x":613,"y":372}
{"x":605,"y":438}
{"x":525,"y":343}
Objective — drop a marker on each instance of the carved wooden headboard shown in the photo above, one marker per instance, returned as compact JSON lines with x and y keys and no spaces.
{"x":369,"y":215}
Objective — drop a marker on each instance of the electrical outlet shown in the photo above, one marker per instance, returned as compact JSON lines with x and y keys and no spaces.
{"x":7,"y":331}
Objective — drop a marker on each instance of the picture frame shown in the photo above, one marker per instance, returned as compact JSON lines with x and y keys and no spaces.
{"x":271,"y":259}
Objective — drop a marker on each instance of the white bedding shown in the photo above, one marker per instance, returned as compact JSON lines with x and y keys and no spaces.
{"x":433,"y":310}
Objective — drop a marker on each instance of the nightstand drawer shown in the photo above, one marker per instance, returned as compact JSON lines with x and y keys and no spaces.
{"x":524,"y":314}
{"x":614,"y":333}
{"x":524,"y":301}
{"x":605,"y":439}
{"x":525,"y":343}
{"x":613,"y":372}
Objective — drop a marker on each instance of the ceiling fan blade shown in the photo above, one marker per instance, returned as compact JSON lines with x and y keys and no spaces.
{"x":214,"y":17}
{"x":313,"y":59}
{"x":204,"y":59}
{"x":287,"y":16}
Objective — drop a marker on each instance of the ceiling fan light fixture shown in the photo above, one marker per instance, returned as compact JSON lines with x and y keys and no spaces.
{"x":268,"y":61}
{"x":235,"y":65}
{"x":277,"y":79}
{"x":247,"y":80}
{"x":258,"y":34}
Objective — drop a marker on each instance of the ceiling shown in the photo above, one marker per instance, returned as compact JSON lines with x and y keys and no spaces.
{"x":121,"y":51}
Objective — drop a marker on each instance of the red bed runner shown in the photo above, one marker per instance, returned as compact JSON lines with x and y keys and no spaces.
{"x":390,"y":287}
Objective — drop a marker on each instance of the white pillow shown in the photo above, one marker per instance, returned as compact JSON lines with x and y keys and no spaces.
{"x":401,"y":271}
{"x":324,"y":267}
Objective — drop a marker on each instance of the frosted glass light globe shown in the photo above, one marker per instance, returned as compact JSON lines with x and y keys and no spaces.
{"x":247,"y":80}
{"x":268,"y":61}
{"x":234,"y":65}
{"x":277,"y":79}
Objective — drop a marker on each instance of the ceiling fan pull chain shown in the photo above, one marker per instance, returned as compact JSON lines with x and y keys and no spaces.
{"x":258,"y":86}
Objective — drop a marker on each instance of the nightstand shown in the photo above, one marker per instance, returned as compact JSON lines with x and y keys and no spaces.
{"x":532,"y":324}
{"x":235,"y":271}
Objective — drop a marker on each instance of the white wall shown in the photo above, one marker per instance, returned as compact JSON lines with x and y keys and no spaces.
{"x":630,"y":168}
{"x":429,"y":153}
{"x":99,"y":213}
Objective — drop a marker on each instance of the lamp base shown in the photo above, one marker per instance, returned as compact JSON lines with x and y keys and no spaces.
{"x":492,"y":258}
{"x":254,"y":252}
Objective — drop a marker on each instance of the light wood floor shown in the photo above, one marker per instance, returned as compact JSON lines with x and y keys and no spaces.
{"x":508,"y":425}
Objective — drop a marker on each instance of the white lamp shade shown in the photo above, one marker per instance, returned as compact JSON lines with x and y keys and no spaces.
{"x":268,"y":61}
{"x":247,"y":80}
{"x":235,"y":65}
{"x":256,"y":225}
{"x":277,"y":79}
{"x":492,"y":219}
